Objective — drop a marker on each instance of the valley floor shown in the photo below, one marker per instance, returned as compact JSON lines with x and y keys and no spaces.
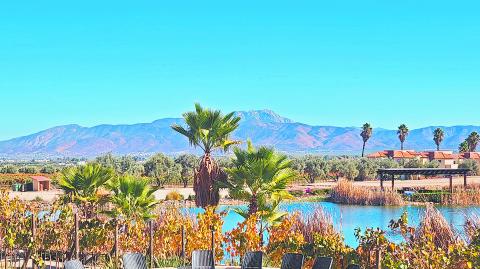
{"x":161,"y":194}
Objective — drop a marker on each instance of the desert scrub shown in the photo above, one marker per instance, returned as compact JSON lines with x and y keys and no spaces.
{"x":346,"y":193}
{"x":174,"y":196}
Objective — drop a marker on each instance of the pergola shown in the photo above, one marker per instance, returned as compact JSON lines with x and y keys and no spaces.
{"x":392,"y":172}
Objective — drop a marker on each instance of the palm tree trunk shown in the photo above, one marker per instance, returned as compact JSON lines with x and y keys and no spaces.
{"x":206,"y":194}
{"x":438,"y":147}
{"x":401,"y":145}
{"x":363,"y":148}
{"x":253,"y":206}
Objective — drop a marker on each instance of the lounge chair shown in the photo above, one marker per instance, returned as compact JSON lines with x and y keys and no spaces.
{"x":73,"y":264}
{"x":202,"y":259}
{"x":322,"y":263}
{"x":292,"y":261}
{"x":134,"y":261}
{"x":353,"y":266}
{"x":252,"y":260}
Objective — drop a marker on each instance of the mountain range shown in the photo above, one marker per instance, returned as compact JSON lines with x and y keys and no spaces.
{"x":263,"y":127}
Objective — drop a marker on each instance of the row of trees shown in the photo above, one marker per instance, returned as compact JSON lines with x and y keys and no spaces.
{"x":469,"y":145}
{"x":161,"y":168}
{"x":13,"y":169}
{"x":165,"y":170}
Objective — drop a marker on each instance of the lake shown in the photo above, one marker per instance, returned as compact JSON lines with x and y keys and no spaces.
{"x":348,"y":217}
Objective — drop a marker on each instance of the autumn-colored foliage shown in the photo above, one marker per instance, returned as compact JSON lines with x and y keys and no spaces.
{"x":284,"y":238}
{"x":245,"y":237}
{"x":200,"y":237}
{"x":434,"y":244}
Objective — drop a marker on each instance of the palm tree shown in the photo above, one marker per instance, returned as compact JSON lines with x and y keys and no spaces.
{"x":81,"y":185}
{"x":208,"y":130}
{"x":132,"y":198}
{"x":473,"y":139}
{"x":366,"y":134}
{"x":402,"y":134}
{"x":259,"y":176}
{"x":438,"y":136}
{"x":463,"y":147}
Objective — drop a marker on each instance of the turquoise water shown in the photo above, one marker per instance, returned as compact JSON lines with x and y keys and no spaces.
{"x":348,"y":217}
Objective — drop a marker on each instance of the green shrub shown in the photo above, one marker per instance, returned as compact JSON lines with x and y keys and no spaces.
{"x":472,"y":165}
{"x":297,"y":193}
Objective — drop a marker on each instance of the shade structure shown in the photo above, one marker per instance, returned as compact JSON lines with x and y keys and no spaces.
{"x":392,"y":172}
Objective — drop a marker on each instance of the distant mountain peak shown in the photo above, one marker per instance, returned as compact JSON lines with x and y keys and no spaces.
{"x":264,"y":115}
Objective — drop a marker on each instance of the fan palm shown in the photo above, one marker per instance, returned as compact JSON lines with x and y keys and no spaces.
{"x":438,"y":136}
{"x":366,"y":134}
{"x":82,"y":183}
{"x":132,"y":198}
{"x":402,"y":134}
{"x":259,"y":176}
{"x":473,"y":139}
{"x":208,"y":130}
{"x":463,"y":147}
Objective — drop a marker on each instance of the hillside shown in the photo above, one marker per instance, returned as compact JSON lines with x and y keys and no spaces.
{"x":261,"y":126}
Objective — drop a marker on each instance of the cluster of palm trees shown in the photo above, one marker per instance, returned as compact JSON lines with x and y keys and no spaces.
{"x":367,"y":131}
{"x":93,"y":185}
{"x":259,"y":176}
{"x":469,"y":145}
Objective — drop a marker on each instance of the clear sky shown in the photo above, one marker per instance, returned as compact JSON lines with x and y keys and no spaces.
{"x":319,"y":62}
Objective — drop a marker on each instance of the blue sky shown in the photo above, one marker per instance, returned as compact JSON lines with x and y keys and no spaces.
{"x":319,"y":62}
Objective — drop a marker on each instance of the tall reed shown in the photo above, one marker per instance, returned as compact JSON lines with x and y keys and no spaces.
{"x":435,"y":225}
{"x":463,"y":197}
{"x":472,"y":227}
{"x":319,"y":222}
{"x":346,"y":193}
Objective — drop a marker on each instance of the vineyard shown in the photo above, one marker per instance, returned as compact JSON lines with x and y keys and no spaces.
{"x":49,"y":234}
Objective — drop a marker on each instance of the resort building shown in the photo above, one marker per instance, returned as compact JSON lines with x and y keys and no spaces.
{"x":396,"y":155}
{"x":445,"y":158}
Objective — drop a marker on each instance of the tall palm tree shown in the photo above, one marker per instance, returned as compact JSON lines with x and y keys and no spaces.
{"x":473,"y":139}
{"x":208,"y":130}
{"x":402,"y":134}
{"x":81,"y":185}
{"x":438,"y":136}
{"x":259,"y":176}
{"x":463,"y":147}
{"x":132,"y":198}
{"x":366,"y":134}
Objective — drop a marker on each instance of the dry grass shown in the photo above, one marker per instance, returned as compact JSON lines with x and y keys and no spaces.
{"x":320,"y":222}
{"x":434,"y":224}
{"x":463,"y":197}
{"x":174,"y":196}
{"x":472,"y":227}
{"x":346,"y":193}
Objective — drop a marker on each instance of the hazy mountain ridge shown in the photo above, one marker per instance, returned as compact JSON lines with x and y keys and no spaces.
{"x":261,"y":126}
